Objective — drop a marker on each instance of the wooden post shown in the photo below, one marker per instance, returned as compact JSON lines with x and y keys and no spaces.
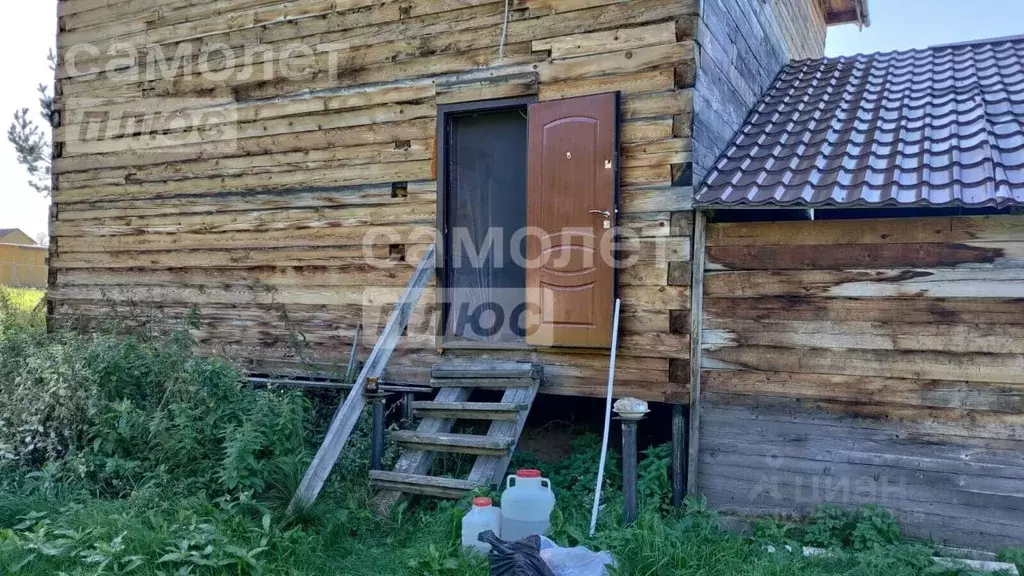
{"x":678,"y":455}
{"x":629,"y":463}
{"x":348,"y":414}
{"x":407,"y":413}
{"x":377,"y":439}
{"x":696,"y":325}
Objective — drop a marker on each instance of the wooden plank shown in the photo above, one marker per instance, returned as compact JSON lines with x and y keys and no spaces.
{"x":488,"y":89}
{"x":1000,"y":228}
{"x":470,"y":410}
{"x":923,"y":464}
{"x":658,"y":80}
{"x":881,"y":283}
{"x":490,"y":470}
{"x":484,"y":370}
{"x":938,"y":336}
{"x":345,"y":419}
{"x":418,"y":462}
{"x":349,"y":136}
{"x":899,"y":310}
{"x":1001,"y":368}
{"x":608,"y":40}
{"x":696,"y":327}
{"x":951,"y":425}
{"x":837,"y":257}
{"x":792,"y":425}
{"x":619,"y":62}
{"x":482,"y":383}
{"x":417,"y":484}
{"x":957,"y":394}
{"x":458,"y":443}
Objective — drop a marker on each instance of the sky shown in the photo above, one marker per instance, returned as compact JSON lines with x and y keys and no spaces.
{"x":27,"y":30}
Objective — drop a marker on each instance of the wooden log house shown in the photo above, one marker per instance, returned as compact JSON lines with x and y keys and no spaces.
{"x":262,"y":160}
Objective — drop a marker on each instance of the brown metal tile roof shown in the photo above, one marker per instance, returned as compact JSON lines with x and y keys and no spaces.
{"x":936,"y":127}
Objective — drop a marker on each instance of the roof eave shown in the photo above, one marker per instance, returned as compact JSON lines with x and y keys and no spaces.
{"x":855,"y":13}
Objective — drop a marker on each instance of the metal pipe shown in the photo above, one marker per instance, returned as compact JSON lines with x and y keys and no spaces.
{"x":377,"y":439}
{"x":607,"y":419}
{"x":678,"y":455}
{"x":630,"y":509}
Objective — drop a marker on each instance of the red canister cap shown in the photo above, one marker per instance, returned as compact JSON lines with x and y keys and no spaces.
{"x":482,"y":502}
{"x":528,"y":473}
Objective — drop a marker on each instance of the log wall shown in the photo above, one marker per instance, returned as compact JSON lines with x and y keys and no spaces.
{"x":868,"y":361}
{"x":186,"y":178}
{"x":743,"y":46}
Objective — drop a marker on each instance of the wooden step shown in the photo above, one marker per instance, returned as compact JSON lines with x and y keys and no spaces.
{"x":490,"y":470}
{"x":470,"y":410}
{"x":483,"y":383}
{"x":426,"y":485}
{"x":484,"y":370}
{"x":458,"y":443}
{"x":418,"y":462}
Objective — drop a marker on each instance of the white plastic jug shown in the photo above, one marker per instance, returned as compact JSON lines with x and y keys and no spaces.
{"x":526,"y":505}
{"x":481,"y":518}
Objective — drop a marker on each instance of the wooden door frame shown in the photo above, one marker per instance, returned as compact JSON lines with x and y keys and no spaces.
{"x":445,"y":113}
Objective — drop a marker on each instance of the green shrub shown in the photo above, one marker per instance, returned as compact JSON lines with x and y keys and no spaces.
{"x":829,"y":527}
{"x":875,"y":528}
{"x":120,"y":411}
{"x":1013,"y":556}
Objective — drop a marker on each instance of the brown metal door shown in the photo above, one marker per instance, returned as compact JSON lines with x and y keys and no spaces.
{"x":571,"y":207}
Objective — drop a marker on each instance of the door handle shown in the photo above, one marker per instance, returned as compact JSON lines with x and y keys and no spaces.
{"x":604,"y":213}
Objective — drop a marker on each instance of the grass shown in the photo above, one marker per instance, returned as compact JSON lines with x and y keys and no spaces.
{"x":144,"y":459}
{"x":22,"y":299}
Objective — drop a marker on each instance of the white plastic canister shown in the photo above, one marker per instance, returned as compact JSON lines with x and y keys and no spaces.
{"x":481,"y":518}
{"x":526,"y":505}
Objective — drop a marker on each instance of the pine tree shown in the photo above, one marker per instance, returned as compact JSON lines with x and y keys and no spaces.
{"x":32,"y":141}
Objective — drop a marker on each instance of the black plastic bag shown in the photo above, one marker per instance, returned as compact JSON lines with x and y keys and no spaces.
{"x":520,"y":558}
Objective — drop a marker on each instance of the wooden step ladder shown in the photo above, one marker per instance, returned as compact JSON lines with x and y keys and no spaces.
{"x":455,"y":382}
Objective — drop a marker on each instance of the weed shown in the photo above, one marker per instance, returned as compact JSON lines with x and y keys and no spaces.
{"x":1013,"y":556}
{"x":875,"y":528}
{"x":829,"y":527}
{"x":126,"y":453}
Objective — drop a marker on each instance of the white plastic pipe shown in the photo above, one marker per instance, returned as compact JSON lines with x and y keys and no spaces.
{"x":607,"y":419}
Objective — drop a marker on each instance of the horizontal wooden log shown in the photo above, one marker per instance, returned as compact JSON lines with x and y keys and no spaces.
{"x":186,"y":151}
{"x":868,"y":390}
{"x":876,"y":231}
{"x":988,"y":338}
{"x":902,"y":310}
{"x":608,"y":41}
{"x":837,"y":257}
{"x":377,"y":195}
{"x":649,"y":81}
{"x":902,"y":283}
{"x":1001,"y":368}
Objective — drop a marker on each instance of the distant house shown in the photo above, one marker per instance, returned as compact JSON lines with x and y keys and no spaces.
{"x":22,"y":261}
{"x":15,"y":236}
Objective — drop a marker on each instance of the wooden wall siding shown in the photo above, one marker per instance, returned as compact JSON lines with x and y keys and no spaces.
{"x":258,"y":219}
{"x":803,"y":27}
{"x":868,"y":360}
{"x":743,"y":45}
{"x":22,"y":265}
